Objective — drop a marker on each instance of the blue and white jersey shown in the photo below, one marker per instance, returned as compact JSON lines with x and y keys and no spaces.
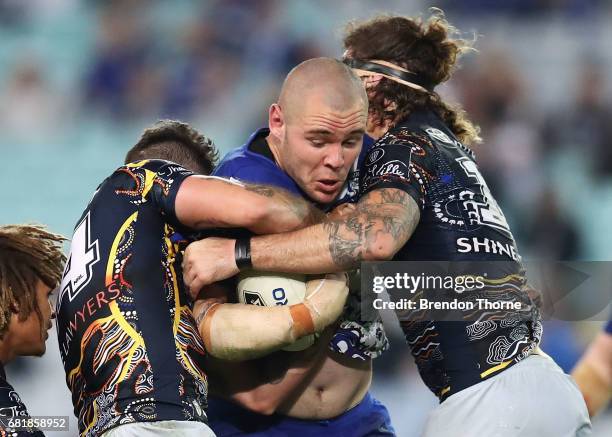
{"x":254,"y":163}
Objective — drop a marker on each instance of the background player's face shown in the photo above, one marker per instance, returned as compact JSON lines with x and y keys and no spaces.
{"x":28,"y":336}
{"x":320,"y":144}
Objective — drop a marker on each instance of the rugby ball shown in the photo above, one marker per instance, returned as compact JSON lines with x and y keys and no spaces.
{"x":271,"y":289}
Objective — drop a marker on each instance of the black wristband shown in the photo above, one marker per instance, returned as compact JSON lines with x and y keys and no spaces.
{"x":242,"y":253}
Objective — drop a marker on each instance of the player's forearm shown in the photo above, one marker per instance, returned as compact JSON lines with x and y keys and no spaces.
{"x":304,"y":251}
{"x":316,"y":249}
{"x":205,"y":202}
{"x":240,"y":332}
{"x":282,"y":212}
{"x":370,"y":233}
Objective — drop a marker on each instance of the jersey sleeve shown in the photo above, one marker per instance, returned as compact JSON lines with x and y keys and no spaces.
{"x":399,"y":160}
{"x":608,"y":327}
{"x":156,"y":181}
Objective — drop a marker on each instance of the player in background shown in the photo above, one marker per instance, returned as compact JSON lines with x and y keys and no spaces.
{"x":423,"y":198}
{"x":593,"y":373}
{"x":129,"y":342}
{"x":31,"y":264}
{"x":314,"y":137}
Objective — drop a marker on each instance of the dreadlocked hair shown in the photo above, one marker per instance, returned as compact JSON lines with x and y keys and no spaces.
{"x":28,"y":253}
{"x":425,"y":48}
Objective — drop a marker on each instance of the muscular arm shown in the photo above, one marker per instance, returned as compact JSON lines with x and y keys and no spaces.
{"x":205,"y":202}
{"x":593,"y":373}
{"x":239,"y":332}
{"x":380,"y":225}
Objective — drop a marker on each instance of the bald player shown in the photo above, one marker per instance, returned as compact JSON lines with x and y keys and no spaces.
{"x":314,"y":137}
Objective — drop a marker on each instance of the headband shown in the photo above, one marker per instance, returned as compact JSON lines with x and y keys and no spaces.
{"x":390,"y":71}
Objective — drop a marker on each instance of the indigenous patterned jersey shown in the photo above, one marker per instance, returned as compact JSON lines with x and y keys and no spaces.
{"x":128,"y":341}
{"x":459,"y":221}
{"x":11,"y":407}
{"x":255,"y":163}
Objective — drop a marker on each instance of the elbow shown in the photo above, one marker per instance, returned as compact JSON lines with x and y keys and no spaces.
{"x":380,"y":250}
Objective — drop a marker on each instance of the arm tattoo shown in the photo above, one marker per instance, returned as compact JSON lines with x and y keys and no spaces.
{"x":394,"y":227}
{"x":262,"y":190}
{"x":380,"y":215}
{"x":303,"y":210}
{"x":345,"y":242}
{"x":393,"y":196}
{"x":300,"y":208}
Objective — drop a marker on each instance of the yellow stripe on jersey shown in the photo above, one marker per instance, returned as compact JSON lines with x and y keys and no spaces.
{"x":507,"y":278}
{"x":495,"y":369}
{"x":178,"y":308}
{"x":149,"y":176}
{"x":127,"y":328}
{"x":137,"y":163}
{"x":175,"y":288}
{"x":113,"y":251}
{"x":149,"y":180}
{"x":93,"y":421}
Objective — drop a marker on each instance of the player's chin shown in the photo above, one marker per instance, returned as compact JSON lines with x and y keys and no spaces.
{"x":325,"y":197}
{"x":41,"y":348}
{"x":325,"y":194}
{"x":38,"y":351}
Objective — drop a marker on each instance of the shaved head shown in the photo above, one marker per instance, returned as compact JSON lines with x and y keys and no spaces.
{"x":325,"y":79}
{"x":317,"y":126}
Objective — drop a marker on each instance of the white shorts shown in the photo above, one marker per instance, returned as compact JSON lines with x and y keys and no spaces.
{"x":162,"y":428}
{"x":533,"y":398}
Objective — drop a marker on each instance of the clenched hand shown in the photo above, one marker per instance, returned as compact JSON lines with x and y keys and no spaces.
{"x":208,"y":261}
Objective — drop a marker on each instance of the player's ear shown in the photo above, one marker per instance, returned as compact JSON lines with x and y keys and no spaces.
{"x":276,"y":120}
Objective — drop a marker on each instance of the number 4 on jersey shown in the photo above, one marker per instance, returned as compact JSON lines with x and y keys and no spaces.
{"x":83,"y":255}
